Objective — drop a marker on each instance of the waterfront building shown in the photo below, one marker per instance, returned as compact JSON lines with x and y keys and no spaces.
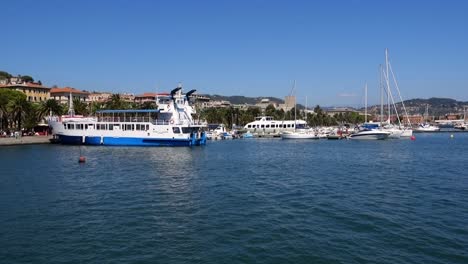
{"x":99,"y":97}
{"x":62,"y":95}
{"x":341,"y":110}
{"x":127,"y":97}
{"x":147,"y":97}
{"x":35,"y":91}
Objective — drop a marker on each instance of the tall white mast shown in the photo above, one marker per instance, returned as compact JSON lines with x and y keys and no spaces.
{"x":388,"y":85}
{"x":381,"y":94}
{"x":295,"y":104}
{"x":365,"y":103}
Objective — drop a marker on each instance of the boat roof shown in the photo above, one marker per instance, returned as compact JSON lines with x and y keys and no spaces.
{"x":128,"y":111}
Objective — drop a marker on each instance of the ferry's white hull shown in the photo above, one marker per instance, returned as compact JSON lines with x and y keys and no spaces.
{"x":153,"y":137}
{"x":266,"y":125}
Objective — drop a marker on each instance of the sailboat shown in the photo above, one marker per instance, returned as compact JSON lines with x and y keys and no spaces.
{"x":369,"y":131}
{"x":396,"y":130}
{"x":426,"y":127}
{"x":462,"y":125}
{"x":300,"y":131}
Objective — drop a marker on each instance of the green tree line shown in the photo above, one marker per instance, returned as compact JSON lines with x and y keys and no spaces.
{"x":230,"y":116}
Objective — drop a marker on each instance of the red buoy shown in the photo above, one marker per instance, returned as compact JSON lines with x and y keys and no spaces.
{"x":413,"y":138}
{"x":82,"y":159}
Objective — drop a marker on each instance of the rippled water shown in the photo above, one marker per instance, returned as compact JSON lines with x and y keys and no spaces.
{"x":241,"y":201}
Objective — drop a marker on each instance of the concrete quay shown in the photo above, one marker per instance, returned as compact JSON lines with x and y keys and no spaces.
{"x":26,"y":140}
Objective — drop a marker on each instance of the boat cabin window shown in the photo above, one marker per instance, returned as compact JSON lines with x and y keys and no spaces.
{"x":176,"y":130}
{"x":70,"y":126}
{"x":267,"y":126}
{"x":129,"y":127}
{"x":187,"y":130}
{"x":65,"y":126}
{"x":263,"y":126}
{"x":111,"y":126}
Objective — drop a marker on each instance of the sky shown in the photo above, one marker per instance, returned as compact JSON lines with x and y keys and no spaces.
{"x":251,"y":48}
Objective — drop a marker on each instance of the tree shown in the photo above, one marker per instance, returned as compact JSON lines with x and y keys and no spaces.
{"x":148,"y":105}
{"x":51,"y":106}
{"x":18,"y":107}
{"x":80,"y":107}
{"x":270,"y":110}
{"x":27,"y":78}
{"x":115,"y":102}
{"x":4,"y":75}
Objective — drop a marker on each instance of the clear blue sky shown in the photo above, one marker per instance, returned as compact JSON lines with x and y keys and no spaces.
{"x":252,"y":48}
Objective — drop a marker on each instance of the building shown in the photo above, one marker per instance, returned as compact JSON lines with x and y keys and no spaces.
{"x":62,"y":95}
{"x":148,"y":97}
{"x":35,"y":92}
{"x":264,"y":103}
{"x":341,"y":110}
{"x":99,"y":97}
{"x":289,"y":103}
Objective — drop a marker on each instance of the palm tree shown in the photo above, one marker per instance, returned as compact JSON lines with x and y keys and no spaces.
{"x":81,"y":108}
{"x":115,"y":102}
{"x":4,"y":98}
{"x":51,"y":106}
{"x":18,"y":106}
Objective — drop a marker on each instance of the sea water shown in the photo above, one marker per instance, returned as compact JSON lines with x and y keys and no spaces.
{"x":238,"y":201}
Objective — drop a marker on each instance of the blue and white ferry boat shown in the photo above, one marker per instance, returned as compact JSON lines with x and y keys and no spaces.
{"x":171,"y":124}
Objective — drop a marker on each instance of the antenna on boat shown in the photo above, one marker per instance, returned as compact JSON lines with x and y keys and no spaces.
{"x":189,"y":93}
{"x":175,"y":90}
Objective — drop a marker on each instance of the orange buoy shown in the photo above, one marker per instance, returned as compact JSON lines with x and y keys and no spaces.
{"x":82,"y":159}
{"x":413,"y":138}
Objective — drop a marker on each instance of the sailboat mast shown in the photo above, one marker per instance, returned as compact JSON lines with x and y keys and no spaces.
{"x":295,"y":104}
{"x":381,"y":94}
{"x":365,"y":104}
{"x":387,"y":79}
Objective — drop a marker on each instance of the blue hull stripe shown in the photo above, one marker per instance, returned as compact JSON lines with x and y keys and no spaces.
{"x":112,"y":141}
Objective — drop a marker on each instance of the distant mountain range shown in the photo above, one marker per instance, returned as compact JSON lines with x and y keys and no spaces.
{"x":437,"y":106}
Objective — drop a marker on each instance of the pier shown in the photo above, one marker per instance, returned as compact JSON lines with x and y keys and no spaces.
{"x":26,"y":140}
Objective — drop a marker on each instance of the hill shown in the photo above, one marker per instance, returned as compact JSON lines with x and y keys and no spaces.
{"x":436,"y":106}
{"x":237,"y":99}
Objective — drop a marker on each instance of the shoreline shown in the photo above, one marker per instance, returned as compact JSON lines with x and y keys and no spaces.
{"x":26,"y":140}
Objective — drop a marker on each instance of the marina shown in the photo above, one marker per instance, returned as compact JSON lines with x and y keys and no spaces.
{"x":172,"y":132}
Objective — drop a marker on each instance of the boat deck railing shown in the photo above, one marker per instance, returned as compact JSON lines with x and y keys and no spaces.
{"x":145,"y":119}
